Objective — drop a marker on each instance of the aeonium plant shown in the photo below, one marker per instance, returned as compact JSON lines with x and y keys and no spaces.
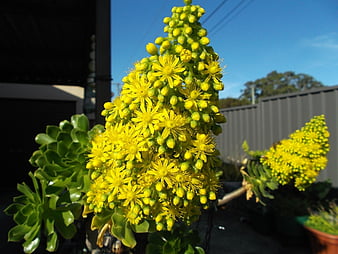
{"x":153,"y":166}
{"x":48,"y":209}
{"x":295,"y":161}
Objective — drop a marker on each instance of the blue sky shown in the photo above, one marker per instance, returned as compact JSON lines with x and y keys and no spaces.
{"x":252,"y":37}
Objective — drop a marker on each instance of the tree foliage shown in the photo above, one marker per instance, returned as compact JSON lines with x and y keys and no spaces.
{"x":279,"y":83}
{"x":233,"y":102}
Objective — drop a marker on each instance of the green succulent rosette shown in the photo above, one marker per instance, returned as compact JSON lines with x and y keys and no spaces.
{"x":154,"y":163}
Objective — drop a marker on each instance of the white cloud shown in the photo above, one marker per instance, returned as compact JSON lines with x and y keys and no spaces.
{"x":325,"y":41}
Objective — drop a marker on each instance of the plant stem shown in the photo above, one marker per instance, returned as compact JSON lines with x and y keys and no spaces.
{"x":230,"y":196}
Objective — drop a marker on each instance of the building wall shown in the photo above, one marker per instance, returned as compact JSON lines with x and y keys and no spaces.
{"x":26,"y":110}
{"x":274,"y":118}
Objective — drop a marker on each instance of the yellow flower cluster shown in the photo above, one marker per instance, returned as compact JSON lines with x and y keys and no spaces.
{"x":155,"y":158}
{"x":300,"y":158}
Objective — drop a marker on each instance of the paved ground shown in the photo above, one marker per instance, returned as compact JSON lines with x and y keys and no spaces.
{"x":231,"y":231}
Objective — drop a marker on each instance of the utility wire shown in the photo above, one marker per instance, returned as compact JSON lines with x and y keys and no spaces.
{"x":234,"y":16}
{"x":141,"y":40}
{"x":226,"y":16}
{"x":214,"y":11}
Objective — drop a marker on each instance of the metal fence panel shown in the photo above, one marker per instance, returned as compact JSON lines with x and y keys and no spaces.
{"x":274,"y":118}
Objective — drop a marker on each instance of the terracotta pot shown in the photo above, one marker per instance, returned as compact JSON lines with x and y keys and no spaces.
{"x":323,"y":243}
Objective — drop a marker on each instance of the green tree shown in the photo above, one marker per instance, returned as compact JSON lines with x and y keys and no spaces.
{"x":278,"y":83}
{"x":233,"y":102}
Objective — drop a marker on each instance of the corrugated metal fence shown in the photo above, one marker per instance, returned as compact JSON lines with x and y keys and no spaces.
{"x":274,"y":118}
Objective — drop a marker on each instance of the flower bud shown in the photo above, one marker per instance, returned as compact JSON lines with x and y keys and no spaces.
{"x":159,"y":40}
{"x":204,"y":41}
{"x":203,"y":200}
{"x":151,"y":48}
{"x":195,"y":116}
{"x":190,"y":195}
{"x":173,"y":100}
{"x":180,"y":192}
{"x":166,"y":20}
{"x":199,"y":164}
{"x":170,"y":143}
{"x":159,"y":186}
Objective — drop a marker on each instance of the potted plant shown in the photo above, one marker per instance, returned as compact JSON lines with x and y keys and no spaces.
{"x":322,"y":226}
{"x":289,"y":205}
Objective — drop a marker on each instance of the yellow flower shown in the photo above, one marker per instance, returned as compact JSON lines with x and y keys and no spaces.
{"x":132,"y":143}
{"x":116,"y":111}
{"x":147,"y":118}
{"x":173,"y":124}
{"x":194,"y":96}
{"x":203,"y":145}
{"x":131,"y":195}
{"x":164,"y":170}
{"x":167,"y":68}
{"x":213,"y":71}
{"x":156,"y":151}
{"x":116,"y":178}
{"x":185,"y":55}
{"x":137,"y":89}
{"x":300,"y":158}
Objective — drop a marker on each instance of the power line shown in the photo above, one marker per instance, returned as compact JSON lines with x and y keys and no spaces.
{"x":227,"y":15}
{"x":234,"y":16}
{"x":214,"y":11}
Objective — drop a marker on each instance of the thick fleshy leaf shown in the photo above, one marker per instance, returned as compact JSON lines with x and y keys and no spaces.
{"x":35,"y":156}
{"x":52,"y":241}
{"x":22,"y":199}
{"x":99,"y":220}
{"x":41,"y":161}
{"x":142,"y":227}
{"x":68,"y":217}
{"x":52,"y":157}
{"x":28,"y":209}
{"x":66,"y":232}
{"x":33,"y":218}
{"x":80,"y":121}
{"x":44,"y":139}
{"x":75,"y":194}
{"x":13,"y":208}
{"x":118,"y":231}
{"x":30,"y":246}
{"x":53,"y":190}
{"x":168,"y":249}
{"x":199,"y":250}
{"x":190,"y":250}
{"x":34,"y":232}
{"x":19,"y":218}
{"x":43,"y":175}
{"x":24,"y":189}
{"x":129,"y":238}
{"x":66,"y":126}
{"x":79,"y":136}
{"x":52,"y":131}
{"x":17,"y":233}
{"x":53,"y":199}
{"x":49,"y":224}
{"x":62,"y":148}
{"x":75,"y":148}
{"x":51,"y":146}
{"x":35,"y":182}
{"x":65,"y":138}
